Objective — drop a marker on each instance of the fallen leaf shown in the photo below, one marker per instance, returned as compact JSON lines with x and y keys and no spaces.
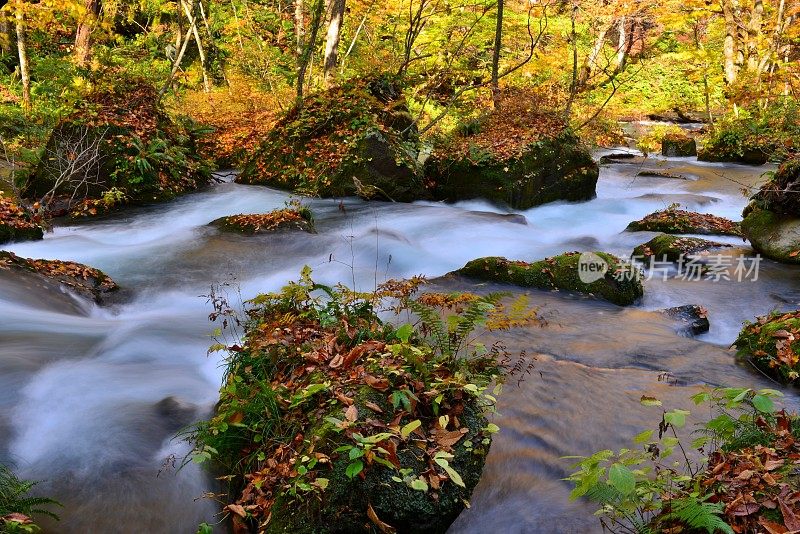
{"x":237,"y":509}
{"x":351,"y":413}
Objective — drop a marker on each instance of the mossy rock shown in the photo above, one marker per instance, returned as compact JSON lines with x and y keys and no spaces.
{"x":272,"y":222}
{"x":17,"y":223}
{"x":774,"y":235}
{"x":616,"y":282}
{"x":354,"y":140}
{"x":723,"y":151}
{"x":126,"y":144}
{"x":675,"y":221}
{"x":673,"y":248}
{"x":82,"y":279}
{"x":678,"y":145}
{"x":780,"y":194}
{"x":772,"y":343}
{"x":545,"y":170}
{"x":344,"y":505}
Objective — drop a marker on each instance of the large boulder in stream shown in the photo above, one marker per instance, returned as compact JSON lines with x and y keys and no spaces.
{"x":772,"y":343}
{"x":262,"y":223}
{"x":17,"y":223}
{"x":515,"y":155}
{"x":593,"y":273}
{"x":676,"y":221}
{"x":355,"y":139}
{"x":772,"y":219}
{"x":678,"y":145}
{"x":86,"y":281}
{"x":119,"y":147}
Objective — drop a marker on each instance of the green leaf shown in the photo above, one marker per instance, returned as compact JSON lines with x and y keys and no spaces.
{"x":404,"y":332}
{"x":321,"y":483}
{"x":409,"y":428}
{"x":492,"y":428}
{"x":354,"y":468}
{"x":419,"y":484}
{"x":355,"y":452}
{"x":649,"y":401}
{"x":454,"y":476}
{"x":676,"y":418}
{"x":643,"y":437}
{"x":763,"y":404}
{"x":622,"y":479}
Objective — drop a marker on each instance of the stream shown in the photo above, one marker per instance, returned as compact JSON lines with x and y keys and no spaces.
{"x":91,"y":397}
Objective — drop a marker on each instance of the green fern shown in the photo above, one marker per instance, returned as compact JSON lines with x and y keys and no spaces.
{"x":433,"y":321}
{"x":14,"y":496}
{"x":698,"y":515}
{"x":475,"y":315}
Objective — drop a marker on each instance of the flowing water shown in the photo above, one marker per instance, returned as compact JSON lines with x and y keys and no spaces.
{"x":90,"y":397}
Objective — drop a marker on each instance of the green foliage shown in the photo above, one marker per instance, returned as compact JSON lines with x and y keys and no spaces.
{"x":15,"y":498}
{"x":698,"y":515}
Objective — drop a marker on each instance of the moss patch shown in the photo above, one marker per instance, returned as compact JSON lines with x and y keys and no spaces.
{"x":619,"y":284}
{"x":672,"y":248}
{"x":772,"y":342}
{"x":676,"y":221}
{"x":773,"y":235}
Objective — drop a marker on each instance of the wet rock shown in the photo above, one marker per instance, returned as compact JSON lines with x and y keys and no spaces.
{"x":262,"y":223}
{"x":772,"y":219}
{"x":621,"y":157}
{"x":676,"y":221}
{"x":673,"y":145}
{"x":357,"y":139}
{"x":175,"y":412}
{"x":672,"y":248}
{"x":772,"y":343}
{"x":684,"y":199}
{"x":515,"y":218}
{"x":17,"y":223}
{"x":81,"y":279}
{"x":659,"y":174}
{"x":611,"y":280}
{"x":693,"y":319}
{"x":678,"y":116}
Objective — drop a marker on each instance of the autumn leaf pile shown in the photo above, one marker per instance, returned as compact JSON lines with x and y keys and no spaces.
{"x":772,"y":342}
{"x":331,"y":395}
{"x":758,"y":484}
{"x":520,"y":118}
{"x":676,"y":221}
{"x":75,"y":275}
{"x":15,"y":216}
{"x":267,"y":222}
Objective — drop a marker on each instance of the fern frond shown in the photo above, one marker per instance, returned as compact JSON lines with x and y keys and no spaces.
{"x":433,"y":321}
{"x":699,"y":515}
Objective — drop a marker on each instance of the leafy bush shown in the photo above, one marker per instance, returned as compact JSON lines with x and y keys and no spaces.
{"x":740,"y":481}
{"x":17,"y":505}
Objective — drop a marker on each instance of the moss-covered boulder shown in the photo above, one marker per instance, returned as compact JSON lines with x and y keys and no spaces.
{"x":672,"y":248}
{"x":79,"y":278}
{"x":17,"y":223}
{"x":517,"y":156}
{"x":356,"y":139}
{"x":332,"y":421}
{"x":676,"y":221}
{"x":772,"y":219}
{"x":261,"y":223}
{"x":595,"y":273}
{"x":119,"y":147}
{"x":678,"y":145}
{"x":772,"y":343}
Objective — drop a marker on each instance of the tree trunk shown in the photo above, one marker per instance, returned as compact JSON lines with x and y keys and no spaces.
{"x":83,"y":45}
{"x":622,"y":44}
{"x":308,"y":49}
{"x":591,"y":60}
{"x":177,"y":63}
{"x":498,"y":45}
{"x":332,"y":40}
{"x":753,"y":33}
{"x":22,"y":49}
{"x":189,"y":11}
{"x":299,"y":28}
{"x":730,"y":44}
{"x":5,"y":36}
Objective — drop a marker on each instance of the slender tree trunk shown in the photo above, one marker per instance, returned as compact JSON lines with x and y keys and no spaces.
{"x":308,"y":48}
{"x":177,"y":63}
{"x":83,"y":45}
{"x":5,"y":37}
{"x":22,"y":49}
{"x":573,"y":88}
{"x":332,"y":40}
{"x":730,"y":44}
{"x":622,"y":44}
{"x":299,"y":28}
{"x":189,"y":11}
{"x":591,"y":60}
{"x":753,"y":33}
{"x":498,"y":45}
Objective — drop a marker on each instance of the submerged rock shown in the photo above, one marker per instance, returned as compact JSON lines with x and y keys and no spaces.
{"x":772,"y":220}
{"x":17,"y":223}
{"x":614,"y":281}
{"x":515,"y":156}
{"x":620,"y":157}
{"x":356,"y":139}
{"x":261,"y":223}
{"x":673,"y":145}
{"x":676,"y":221}
{"x":673,"y":248}
{"x":772,"y":343}
{"x":82,"y":279}
{"x":692,"y":318}
{"x":660,"y":174}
